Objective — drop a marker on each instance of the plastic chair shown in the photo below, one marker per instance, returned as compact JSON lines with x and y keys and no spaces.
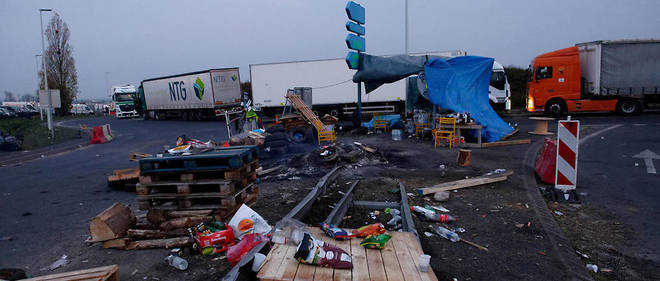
{"x":443,"y":131}
{"x":380,"y":124}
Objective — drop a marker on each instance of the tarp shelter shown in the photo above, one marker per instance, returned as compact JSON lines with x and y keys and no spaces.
{"x":459,"y":84}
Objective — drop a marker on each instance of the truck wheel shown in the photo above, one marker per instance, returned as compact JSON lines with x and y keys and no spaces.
{"x":555,"y":108}
{"x":298,"y":135}
{"x":334,"y":112}
{"x":628,"y":107}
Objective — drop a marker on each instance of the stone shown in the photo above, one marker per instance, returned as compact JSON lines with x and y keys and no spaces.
{"x":441,"y":196}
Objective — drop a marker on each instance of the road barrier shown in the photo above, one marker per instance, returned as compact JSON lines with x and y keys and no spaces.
{"x":568,"y":133}
{"x":101,"y":134}
{"x":545,"y":165}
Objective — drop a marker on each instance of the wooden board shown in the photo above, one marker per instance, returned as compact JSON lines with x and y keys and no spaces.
{"x":503,"y":143}
{"x":447,"y":186}
{"x":110,"y":273}
{"x":398,"y":261}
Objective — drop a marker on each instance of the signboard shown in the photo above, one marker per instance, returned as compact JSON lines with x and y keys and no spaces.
{"x":54,"y":97}
{"x":354,"y":40}
{"x":352,"y":59}
{"x":568,"y":135}
{"x":355,"y":28}
{"x":355,"y":12}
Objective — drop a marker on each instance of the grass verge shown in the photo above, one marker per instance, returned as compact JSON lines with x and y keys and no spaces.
{"x":35,"y":133}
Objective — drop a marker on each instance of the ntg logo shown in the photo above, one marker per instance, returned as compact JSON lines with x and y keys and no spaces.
{"x":199,"y":88}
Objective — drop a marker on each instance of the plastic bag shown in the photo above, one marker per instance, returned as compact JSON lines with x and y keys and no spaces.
{"x":247,"y":221}
{"x":236,"y":252}
{"x":375,"y":242}
{"x":336,"y":232}
{"x":372,"y":229}
{"x":316,"y":252}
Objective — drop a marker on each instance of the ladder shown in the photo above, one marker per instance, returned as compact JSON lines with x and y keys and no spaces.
{"x":322,"y":131}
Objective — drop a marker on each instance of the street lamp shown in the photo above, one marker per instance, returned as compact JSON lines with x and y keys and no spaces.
{"x":43,"y":57}
{"x":36,"y":64}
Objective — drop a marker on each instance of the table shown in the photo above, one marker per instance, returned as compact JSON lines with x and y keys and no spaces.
{"x":399,"y":258}
{"x":460,"y":127}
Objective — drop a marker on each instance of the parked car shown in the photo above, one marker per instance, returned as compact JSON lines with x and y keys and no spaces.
{"x":17,"y":112}
{"x":7,"y":113}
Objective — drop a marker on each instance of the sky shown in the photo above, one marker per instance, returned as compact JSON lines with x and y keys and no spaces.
{"x":125,"y":42}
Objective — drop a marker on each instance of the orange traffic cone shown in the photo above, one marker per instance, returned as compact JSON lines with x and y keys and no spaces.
{"x":226,"y":144}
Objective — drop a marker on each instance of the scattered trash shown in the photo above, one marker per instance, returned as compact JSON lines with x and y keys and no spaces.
{"x":431,"y":215}
{"x":582,"y":255}
{"x":592,"y":267}
{"x":258,"y":261}
{"x":331,"y":256}
{"x":177,"y":262}
{"x":392,"y":212}
{"x":336,"y":232}
{"x":441,"y":196}
{"x":459,"y":230}
{"x":212,"y":237}
{"x":607,"y":270}
{"x":446,"y":233}
{"x":372,"y":229}
{"x":134,"y":272}
{"x":395,"y":219}
{"x":424,"y":261}
{"x":247,"y":221}
{"x":375,"y":241}
{"x":558,"y":213}
{"x":62,"y":261}
{"x":249,"y":241}
{"x":294,"y":178}
{"x":440,"y":208}
{"x":428,"y":234}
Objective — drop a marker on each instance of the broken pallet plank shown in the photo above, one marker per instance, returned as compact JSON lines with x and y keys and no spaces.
{"x":510,"y":134}
{"x":112,"y":223}
{"x":110,"y":273}
{"x":460,"y":184}
{"x":159,"y":243}
{"x":503,"y":143}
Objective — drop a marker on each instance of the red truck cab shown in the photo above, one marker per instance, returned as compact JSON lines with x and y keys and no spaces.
{"x":555,"y":85}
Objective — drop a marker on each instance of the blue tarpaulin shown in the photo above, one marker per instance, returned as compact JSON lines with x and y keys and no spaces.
{"x":393,"y":120}
{"x":461,"y":84}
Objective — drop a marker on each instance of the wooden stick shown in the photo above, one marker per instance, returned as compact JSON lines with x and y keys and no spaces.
{"x":267,"y":171}
{"x":510,"y":134}
{"x":183,"y":222}
{"x":138,"y":234}
{"x":460,"y":184}
{"x":158,"y":243}
{"x":503,"y":143}
{"x":474,"y":245}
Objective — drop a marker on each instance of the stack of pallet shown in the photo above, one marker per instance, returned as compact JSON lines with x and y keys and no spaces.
{"x":219,"y":180}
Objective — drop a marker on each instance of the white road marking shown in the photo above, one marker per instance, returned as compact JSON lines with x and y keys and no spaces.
{"x":599,"y":132}
{"x":648,"y":157}
{"x":638,"y":125}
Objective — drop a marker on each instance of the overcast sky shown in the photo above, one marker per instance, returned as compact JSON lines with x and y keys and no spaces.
{"x":135,"y":40}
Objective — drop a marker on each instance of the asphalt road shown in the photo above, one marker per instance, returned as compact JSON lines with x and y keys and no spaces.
{"x":618,"y":182}
{"x":46,"y":204}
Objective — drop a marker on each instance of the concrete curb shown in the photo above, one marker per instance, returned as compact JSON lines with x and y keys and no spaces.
{"x":575,"y":268}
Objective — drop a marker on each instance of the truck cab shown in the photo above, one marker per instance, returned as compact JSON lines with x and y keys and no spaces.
{"x":554,"y":79}
{"x":499,"y":90}
{"x":123,"y":99}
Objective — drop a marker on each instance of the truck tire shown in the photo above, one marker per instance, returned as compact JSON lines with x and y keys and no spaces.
{"x":298,"y":135}
{"x":628,"y":107}
{"x":335,"y":112}
{"x":555,"y":108}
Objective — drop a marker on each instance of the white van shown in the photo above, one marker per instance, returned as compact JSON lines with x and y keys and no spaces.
{"x":81,"y":109}
{"x":499,"y":91}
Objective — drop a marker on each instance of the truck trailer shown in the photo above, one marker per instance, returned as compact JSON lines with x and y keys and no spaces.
{"x":191,"y":96}
{"x":617,"y":76}
{"x":335,"y":93}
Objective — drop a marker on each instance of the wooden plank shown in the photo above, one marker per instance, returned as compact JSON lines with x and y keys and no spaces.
{"x":510,"y":134}
{"x":375,"y":264}
{"x":503,"y":143}
{"x":405,"y":258}
{"x":97,"y":273}
{"x":460,"y":184}
{"x":289,"y":265}
{"x":415,"y":249}
{"x":360,"y":269}
{"x":343,"y":274}
{"x":305,"y":272}
{"x":391,"y":263}
{"x":272,"y":263}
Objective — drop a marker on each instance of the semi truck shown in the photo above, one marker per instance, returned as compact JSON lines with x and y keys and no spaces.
{"x":335,"y":93}
{"x":621,"y":76}
{"x":191,"y":96}
{"x":123,"y":101}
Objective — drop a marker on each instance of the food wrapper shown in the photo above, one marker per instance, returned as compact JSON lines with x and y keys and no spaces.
{"x":247,"y":221}
{"x":336,"y":232}
{"x":375,"y":242}
{"x":316,"y":252}
{"x":372,"y":229}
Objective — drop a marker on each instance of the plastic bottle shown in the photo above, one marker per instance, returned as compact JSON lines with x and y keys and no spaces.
{"x":438,"y":217}
{"x":393,"y":212}
{"x":177,"y":262}
{"x":446,"y":233}
{"x":419,"y":210}
{"x":395,"y":219}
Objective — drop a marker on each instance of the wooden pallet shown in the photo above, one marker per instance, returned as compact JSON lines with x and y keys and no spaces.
{"x":109,"y":273}
{"x":399,"y":260}
{"x":221,"y":159}
{"x":197,"y":201}
{"x":247,"y":171}
{"x":223,"y":187}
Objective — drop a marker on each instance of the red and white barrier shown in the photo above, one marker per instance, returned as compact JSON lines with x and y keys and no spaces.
{"x":568,"y":134}
{"x":101,"y":134}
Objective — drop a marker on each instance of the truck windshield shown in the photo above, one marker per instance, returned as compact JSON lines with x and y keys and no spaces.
{"x":497,"y":80}
{"x":124,"y":97}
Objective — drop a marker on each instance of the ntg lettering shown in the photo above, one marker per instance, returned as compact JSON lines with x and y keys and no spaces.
{"x":177,"y":91}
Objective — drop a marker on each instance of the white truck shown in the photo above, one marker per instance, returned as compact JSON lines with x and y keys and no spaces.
{"x":499,"y":91}
{"x":333,"y":90}
{"x":123,"y":101}
{"x":191,"y":96}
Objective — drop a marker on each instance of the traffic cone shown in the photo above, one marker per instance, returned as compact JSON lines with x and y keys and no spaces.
{"x":226,"y":144}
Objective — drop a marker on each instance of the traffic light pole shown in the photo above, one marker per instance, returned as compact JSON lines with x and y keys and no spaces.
{"x":359,"y":103}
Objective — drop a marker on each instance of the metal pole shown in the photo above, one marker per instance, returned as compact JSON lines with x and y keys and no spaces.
{"x":41,"y":110}
{"x":359,"y":105}
{"x":43,"y":57}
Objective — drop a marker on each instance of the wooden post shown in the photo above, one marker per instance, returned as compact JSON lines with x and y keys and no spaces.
{"x":464,"y":157}
{"x":112,"y":223}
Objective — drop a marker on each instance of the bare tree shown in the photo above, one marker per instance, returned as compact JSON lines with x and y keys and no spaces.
{"x":27,"y":97}
{"x":62,"y":73}
{"x":9,"y":96}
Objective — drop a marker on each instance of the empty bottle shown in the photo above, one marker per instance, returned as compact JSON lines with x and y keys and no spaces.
{"x":393,"y":212}
{"x":446,"y":233}
{"x":438,"y":217}
{"x":177,"y":262}
{"x":395,"y":219}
